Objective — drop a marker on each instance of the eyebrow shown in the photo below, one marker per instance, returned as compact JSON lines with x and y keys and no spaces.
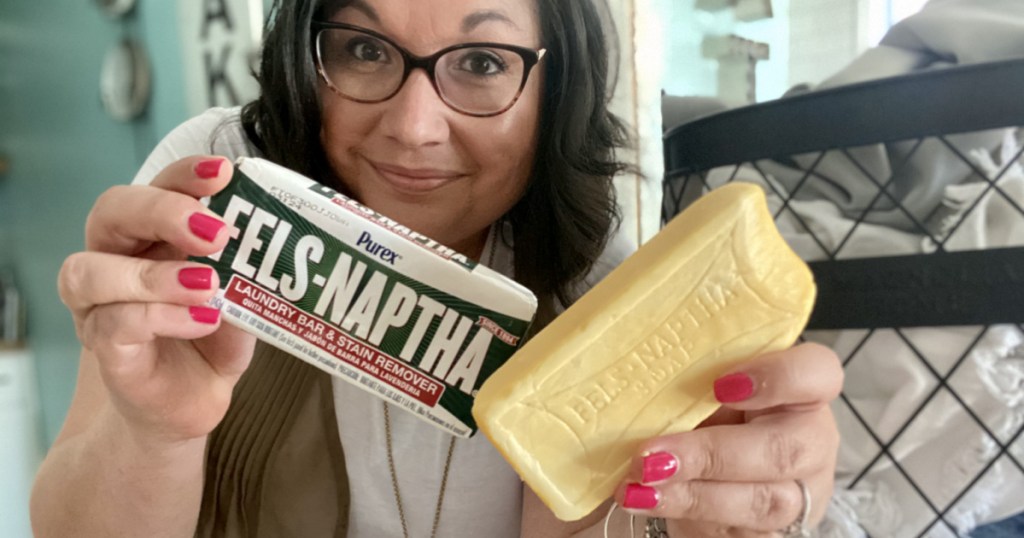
{"x":469,"y":23}
{"x":476,"y":19}
{"x":367,"y":10}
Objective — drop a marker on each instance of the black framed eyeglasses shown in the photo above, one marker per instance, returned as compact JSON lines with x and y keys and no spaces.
{"x":477,"y":79}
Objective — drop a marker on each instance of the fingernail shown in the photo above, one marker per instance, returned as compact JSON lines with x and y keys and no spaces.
{"x":659,"y":466}
{"x":196,"y":278}
{"x":203,"y":314}
{"x":640,"y":497}
{"x":208,"y":169}
{"x":204,"y":226}
{"x":734,"y":388}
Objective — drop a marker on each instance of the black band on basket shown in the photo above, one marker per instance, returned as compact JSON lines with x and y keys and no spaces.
{"x":979,"y":287}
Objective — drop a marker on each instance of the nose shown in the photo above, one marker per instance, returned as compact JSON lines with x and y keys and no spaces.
{"x":416,"y":116}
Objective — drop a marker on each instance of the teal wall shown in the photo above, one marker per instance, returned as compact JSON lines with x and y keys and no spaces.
{"x":64,"y":151}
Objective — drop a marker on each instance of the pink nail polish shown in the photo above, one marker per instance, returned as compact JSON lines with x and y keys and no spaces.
{"x":659,"y":466}
{"x":734,"y":388}
{"x":208,"y":169}
{"x":204,"y":314}
{"x":204,"y":226}
{"x":196,"y":278}
{"x":640,"y":497}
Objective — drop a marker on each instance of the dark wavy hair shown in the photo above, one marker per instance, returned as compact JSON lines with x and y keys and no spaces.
{"x":563,"y":221}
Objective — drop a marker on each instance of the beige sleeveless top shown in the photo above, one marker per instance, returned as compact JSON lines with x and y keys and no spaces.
{"x":274,"y":466}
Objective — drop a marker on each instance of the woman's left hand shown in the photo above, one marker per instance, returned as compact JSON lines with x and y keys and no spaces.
{"x":737,"y":474}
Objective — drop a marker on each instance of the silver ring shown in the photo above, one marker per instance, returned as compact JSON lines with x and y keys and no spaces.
{"x":798,"y":528}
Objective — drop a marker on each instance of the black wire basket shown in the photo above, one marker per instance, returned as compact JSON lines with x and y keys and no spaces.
{"x":850,"y":172}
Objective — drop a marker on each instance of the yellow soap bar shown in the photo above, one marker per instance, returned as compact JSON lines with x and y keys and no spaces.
{"x":637,"y":356}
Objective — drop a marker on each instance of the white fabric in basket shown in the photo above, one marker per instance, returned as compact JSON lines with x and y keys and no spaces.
{"x":943,"y":449}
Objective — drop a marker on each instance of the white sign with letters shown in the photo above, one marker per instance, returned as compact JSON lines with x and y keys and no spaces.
{"x":220,"y":49}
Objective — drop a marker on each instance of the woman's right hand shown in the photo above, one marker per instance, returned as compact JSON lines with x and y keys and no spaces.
{"x":138,"y":305}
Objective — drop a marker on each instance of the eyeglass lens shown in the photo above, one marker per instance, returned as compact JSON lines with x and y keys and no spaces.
{"x":477,"y":80}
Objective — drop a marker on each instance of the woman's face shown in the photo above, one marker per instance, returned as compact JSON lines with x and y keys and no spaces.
{"x":413,"y":158}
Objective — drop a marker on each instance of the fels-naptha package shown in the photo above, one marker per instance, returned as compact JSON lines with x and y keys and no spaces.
{"x":360,"y":296}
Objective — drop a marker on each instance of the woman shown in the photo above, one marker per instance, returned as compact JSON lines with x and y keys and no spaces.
{"x":179,"y":427}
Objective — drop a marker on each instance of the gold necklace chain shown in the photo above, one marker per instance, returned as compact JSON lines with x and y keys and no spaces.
{"x":451,"y":443}
{"x":394,"y":478}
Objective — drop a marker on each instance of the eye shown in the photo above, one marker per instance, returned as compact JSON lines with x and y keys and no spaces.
{"x":366,"y":49}
{"x":482,"y":62}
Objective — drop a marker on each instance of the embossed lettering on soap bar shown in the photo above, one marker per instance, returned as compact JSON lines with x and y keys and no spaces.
{"x":663,"y":353}
{"x":658,"y":356}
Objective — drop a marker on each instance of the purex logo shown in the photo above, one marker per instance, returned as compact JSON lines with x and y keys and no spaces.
{"x":376,"y":249}
{"x":366,"y":213}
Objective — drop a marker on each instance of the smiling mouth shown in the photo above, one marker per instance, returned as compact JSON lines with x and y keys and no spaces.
{"x":413,"y":180}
